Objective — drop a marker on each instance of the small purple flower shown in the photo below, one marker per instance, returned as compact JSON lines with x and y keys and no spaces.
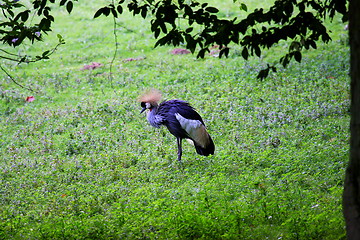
{"x":38,"y":34}
{"x":14,"y":40}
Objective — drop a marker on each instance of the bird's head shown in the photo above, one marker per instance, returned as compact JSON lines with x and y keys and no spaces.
{"x":146,"y":105}
{"x":150,"y":99}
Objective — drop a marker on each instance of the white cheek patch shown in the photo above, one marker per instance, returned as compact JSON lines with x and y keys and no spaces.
{"x":195,"y":129}
{"x":147,"y":105}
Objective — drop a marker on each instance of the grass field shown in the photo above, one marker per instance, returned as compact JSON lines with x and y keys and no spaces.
{"x":80,"y":162}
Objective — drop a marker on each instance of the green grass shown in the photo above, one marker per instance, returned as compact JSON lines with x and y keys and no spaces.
{"x":80,"y":162}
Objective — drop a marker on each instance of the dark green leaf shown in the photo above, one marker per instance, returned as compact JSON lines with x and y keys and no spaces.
{"x":202,"y":52}
{"x":119,"y":9}
{"x":46,"y":12}
{"x":191,"y":43}
{"x":312,"y":44}
{"x":263,"y":74}
{"x":163,"y":27}
{"x":25,"y":16}
{"x":11,"y":13}
{"x":245,"y":53}
{"x":106,"y":11}
{"x":157,"y":32}
{"x":45,"y":53}
{"x":295,"y":45}
{"x":212,"y":9}
{"x":235,"y":37}
{"x":162,"y":41}
{"x":257,"y":50}
{"x":61,"y":39}
{"x":285,"y":60}
{"x":224,"y":51}
{"x":45,"y":24}
{"x":42,"y":4}
{"x":297,"y":56}
{"x":243,"y":7}
{"x":144,"y":11}
{"x":136,"y":10}
{"x":62,"y":2}
{"x":69,"y":6}
{"x":98,"y":13}
{"x":51,"y":18}
{"x":189,"y":30}
{"x":188,"y":11}
{"x":114,"y":13}
{"x":194,"y":4}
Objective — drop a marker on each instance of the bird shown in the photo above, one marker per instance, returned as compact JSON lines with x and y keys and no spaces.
{"x":181,"y":120}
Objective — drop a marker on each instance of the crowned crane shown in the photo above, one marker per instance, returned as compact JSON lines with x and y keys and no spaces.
{"x":180,"y":119}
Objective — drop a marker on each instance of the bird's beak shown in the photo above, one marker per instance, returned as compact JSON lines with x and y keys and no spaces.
{"x":143,"y":109}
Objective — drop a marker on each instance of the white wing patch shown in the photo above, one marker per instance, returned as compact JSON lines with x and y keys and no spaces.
{"x":195,"y":129}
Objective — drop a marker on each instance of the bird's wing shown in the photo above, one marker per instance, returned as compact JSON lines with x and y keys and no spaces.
{"x":187,"y":111}
{"x":183,"y":121}
{"x":195,"y":129}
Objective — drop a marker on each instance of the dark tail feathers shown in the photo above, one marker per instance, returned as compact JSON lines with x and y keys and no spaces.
{"x":209,"y":149}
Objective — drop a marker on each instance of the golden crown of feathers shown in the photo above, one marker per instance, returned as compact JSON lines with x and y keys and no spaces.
{"x":151,"y":96}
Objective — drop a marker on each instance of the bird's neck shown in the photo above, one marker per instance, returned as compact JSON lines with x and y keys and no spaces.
{"x":153,"y":108}
{"x":153,"y":118}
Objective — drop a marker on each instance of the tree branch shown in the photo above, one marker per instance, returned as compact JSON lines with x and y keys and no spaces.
{"x":116,"y":46}
{"x":13,"y":79}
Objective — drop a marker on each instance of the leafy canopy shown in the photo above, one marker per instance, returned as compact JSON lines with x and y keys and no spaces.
{"x":195,"y":24}
{"x":21,"y":24}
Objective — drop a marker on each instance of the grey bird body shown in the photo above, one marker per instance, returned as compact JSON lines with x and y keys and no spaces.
{"x":182,"y":121}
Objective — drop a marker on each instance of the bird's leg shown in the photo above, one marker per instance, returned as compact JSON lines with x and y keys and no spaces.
{"x":179,"y":148}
